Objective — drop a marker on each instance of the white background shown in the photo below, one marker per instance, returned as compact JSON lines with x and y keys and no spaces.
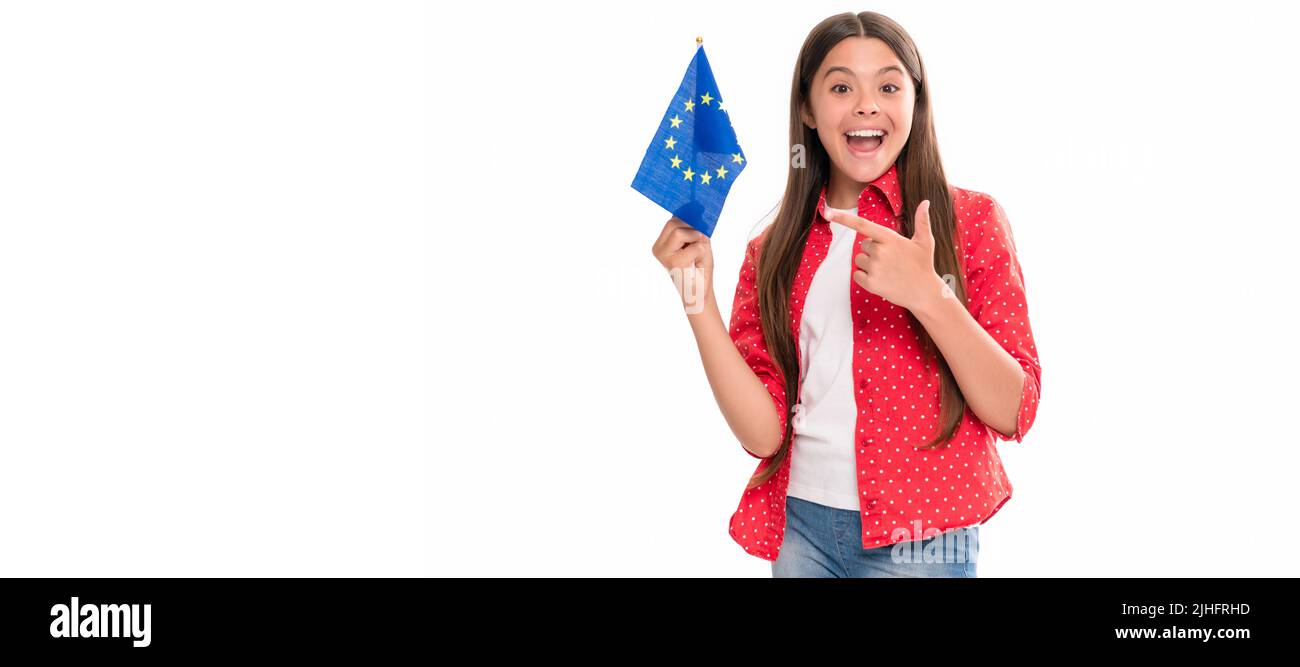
{"x":316,"y":289}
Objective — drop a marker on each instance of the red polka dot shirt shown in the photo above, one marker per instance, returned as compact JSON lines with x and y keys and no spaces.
{"x":905,"y":494}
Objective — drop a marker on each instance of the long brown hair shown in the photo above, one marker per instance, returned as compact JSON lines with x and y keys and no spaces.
{"x":921,"y":177}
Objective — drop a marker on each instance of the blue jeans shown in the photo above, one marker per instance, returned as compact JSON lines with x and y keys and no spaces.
{"x":823,"y":541}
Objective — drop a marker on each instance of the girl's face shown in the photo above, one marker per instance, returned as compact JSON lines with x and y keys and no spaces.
{"x":861,"y":85}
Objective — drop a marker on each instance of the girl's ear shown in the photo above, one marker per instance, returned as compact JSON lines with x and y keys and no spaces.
{"x":806,"y":117}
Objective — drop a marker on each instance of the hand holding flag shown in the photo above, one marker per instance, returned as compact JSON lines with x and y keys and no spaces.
{"x":687,"y":255}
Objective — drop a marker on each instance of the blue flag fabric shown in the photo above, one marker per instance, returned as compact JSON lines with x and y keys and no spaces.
{"x":694,"y":156}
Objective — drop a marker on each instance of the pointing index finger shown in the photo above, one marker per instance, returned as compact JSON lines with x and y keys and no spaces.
{"x":872,"y":230}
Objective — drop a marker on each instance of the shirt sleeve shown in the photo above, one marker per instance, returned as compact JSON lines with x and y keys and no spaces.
{"x":747,"y":333}
{"x":996,"y":298}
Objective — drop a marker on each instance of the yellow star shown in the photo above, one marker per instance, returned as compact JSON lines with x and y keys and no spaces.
{"x":676,"y":161}
{"x":688,"y":173}
{"x":705,"y":98}
{"x":721,"y":106}
{"x":704,"y":178}
{"x":722,"y":172}
{"x":690,"y":106}
{"x":735,"y":157}
{"x":669,"y":143}
{"x":675,"y":121}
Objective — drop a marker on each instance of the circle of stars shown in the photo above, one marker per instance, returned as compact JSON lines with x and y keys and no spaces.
{"x":670,"y":143}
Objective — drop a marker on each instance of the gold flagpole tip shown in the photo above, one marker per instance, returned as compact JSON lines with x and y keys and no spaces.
{"x":699,"y":40}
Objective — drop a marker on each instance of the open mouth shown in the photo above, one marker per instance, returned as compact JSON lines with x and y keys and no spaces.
{"x":865,"y":147}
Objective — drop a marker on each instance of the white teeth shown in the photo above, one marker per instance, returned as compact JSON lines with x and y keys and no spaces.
{"x":866,"y":133}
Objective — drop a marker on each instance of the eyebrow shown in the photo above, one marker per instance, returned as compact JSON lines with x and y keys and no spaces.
{"x":849,"y":72}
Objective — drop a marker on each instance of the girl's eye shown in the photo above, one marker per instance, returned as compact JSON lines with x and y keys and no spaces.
{"x":893,"y":88}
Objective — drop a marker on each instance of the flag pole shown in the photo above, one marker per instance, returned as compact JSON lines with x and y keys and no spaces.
{"x":699,"y":44}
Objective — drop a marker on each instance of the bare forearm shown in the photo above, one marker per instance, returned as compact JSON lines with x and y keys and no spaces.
{"x":990,"y":378}
{"x":740,"y":394}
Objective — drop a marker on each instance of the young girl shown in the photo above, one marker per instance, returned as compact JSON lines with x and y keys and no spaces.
{"x":891,"y":305}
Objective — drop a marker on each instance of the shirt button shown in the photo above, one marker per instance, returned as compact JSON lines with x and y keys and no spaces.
{"x":797,"y":423}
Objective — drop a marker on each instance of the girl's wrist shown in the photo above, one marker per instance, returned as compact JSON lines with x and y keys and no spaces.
{"x":703,"y":310}
{"x":933,"y":297}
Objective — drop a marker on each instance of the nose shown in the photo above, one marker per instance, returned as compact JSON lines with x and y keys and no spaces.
{"x":867,"y":105}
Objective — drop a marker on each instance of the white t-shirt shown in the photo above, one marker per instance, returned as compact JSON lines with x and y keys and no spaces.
{"x":823,"y":465}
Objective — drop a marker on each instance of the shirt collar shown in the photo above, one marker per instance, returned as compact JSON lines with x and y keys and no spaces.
{"x":887,"y":184}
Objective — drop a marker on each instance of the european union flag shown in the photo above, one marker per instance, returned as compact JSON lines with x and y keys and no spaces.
{"x":694,"y":156}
